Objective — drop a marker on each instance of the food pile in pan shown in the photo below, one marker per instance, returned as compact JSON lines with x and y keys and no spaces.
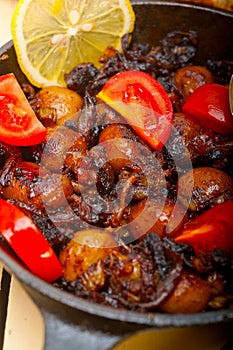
{"x":127,"y":173}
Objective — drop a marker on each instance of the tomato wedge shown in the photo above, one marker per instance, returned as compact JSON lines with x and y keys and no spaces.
{"x":19,"y":125}
{"x":211,"y":106}
{"x":212,"y":229}
{"x":143,"y":102}
{"x":28,"y":242}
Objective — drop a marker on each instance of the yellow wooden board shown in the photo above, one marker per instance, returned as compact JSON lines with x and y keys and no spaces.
{"x":24,"y":329}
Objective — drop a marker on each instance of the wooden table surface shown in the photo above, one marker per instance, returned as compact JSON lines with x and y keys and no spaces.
{"x":24,"y":328}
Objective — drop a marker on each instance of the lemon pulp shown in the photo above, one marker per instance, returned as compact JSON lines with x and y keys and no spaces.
{"x":53,"y":36}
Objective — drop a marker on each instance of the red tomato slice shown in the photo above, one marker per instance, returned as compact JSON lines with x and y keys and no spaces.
{"x":143,"y":102}
{"x":212,"y":229}
{"x":28,"y":242}
{"x":19,"y":125}
{"x":210,"y":105}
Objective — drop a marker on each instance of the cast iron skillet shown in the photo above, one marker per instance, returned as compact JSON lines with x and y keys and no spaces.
{"x":74,"y":323}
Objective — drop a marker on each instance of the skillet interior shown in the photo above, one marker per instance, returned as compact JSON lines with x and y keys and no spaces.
{"x":154,"y":20}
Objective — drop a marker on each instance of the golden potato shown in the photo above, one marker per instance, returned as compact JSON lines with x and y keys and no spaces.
{"x":161,"y":219}
{"x":120,"y":149}
{"x":189,"y":78}
{"x":191,"y":295}
{"x":59,"y":101}
{"x":28,"y":184}
{"x":59,"y":143}
{"x":54,"y":190}
{"x":86,"y":248}
{"x":22,"y":182}
{"x":201,"y":187}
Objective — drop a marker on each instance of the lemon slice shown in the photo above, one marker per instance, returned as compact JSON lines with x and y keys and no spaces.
{"x":53,"y":36}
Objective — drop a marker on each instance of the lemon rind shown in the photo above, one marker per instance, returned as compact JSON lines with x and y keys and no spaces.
{"x":32,"y":73}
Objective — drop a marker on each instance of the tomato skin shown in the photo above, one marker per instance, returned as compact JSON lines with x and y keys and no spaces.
{"x":210,"y":105}
{"x":211,"y":230}
{"x":28,"y":242}
{"x":127,"y":91}
{"x":19,"y":125}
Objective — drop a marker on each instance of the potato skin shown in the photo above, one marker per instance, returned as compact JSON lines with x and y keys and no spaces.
{"x":61,"y":141}
{"x":159,"y":219}
{"x":21,"y":183}
{"x":117,"y":149}
{"x":55,"y":189}
{"x":86,"y":248}
{"x":205,"y":186}
{"x":191,"y":295}
{"x":60,"y":101}
{"x":189,"y":78}
{"x":197,"y":142}
{"x":31,"y":185}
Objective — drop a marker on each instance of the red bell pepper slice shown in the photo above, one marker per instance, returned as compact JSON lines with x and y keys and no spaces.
{"x":211,"y":230}
{"x":28,"y":242}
